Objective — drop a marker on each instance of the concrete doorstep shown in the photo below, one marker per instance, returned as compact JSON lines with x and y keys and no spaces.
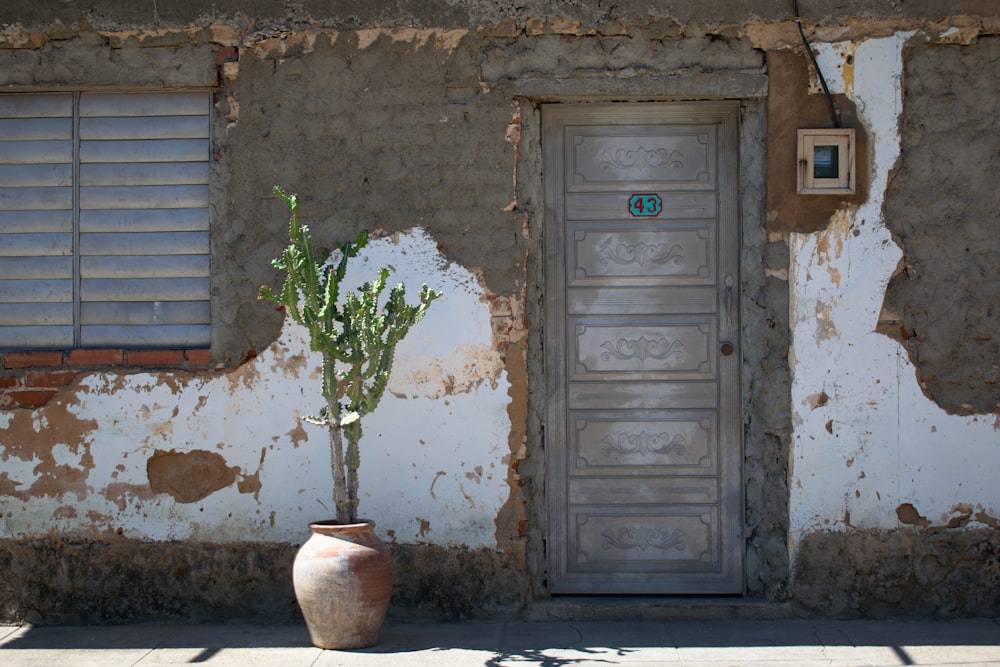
{"x":798,"y":642}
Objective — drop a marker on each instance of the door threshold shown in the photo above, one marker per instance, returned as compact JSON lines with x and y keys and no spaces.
{"x":654,"y":608}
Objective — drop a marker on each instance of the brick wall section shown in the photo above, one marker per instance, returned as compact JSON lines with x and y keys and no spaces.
{"x":31,"y":379}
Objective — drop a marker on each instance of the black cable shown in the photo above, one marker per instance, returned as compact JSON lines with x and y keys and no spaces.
{"x":812,"y":56}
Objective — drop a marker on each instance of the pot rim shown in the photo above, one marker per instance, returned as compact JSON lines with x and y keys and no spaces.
{"x":332,"y":526}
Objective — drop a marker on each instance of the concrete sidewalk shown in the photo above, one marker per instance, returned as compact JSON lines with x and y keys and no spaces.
{"x":799,"y":642}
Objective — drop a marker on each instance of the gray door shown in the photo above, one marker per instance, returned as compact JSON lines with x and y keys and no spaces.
{"x":642,"y":348}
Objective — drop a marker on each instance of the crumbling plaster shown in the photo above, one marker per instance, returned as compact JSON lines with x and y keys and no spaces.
{"x":943,"y":302}
{"x":217,"y":456}
{"x":471,"y":475}
{"x":585,"y":15}
{"x":870,"y":451}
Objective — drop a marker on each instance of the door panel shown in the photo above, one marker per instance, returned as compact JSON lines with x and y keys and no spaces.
{"x":602,"y":158}
{"x":645,"y":255}
{"x":643,"y":449}
{"x":630,"y":443}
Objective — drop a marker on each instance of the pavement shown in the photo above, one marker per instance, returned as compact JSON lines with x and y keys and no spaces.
{"x":715,"y":643}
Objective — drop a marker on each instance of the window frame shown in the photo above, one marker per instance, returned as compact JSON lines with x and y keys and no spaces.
{"x":196,"y":330}
{"x":842,"y":139}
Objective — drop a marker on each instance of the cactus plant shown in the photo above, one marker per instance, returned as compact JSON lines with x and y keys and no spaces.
{"x":356,"y":335}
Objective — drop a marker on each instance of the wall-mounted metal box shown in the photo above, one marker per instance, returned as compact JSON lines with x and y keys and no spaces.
{"x":826,"y":162}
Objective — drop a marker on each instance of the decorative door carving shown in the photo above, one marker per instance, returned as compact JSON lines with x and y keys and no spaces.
{"x":643,"y":436}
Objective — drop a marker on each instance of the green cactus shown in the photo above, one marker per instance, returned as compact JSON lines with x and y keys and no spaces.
{"x":357,"y":339}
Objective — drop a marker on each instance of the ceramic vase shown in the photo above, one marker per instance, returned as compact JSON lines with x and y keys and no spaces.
{"x":343,"y":579}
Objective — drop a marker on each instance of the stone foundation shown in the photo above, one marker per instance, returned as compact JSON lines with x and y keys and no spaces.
{"x":874,"y":574}
{"x":83,"y":581}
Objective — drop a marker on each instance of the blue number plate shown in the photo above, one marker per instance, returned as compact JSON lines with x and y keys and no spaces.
{"x":645,"y":205}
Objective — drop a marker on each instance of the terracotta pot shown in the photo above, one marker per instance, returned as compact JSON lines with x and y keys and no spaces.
{"x":343,"y":579}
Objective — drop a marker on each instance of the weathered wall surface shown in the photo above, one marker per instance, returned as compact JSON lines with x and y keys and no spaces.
{"x":421,"y":121}
{"x":945,"y":293}
{"x":448,"y":13}
{"x":795,"y":107}
{"x":211,"y":456}
{"x":881,"y":475}
{"x":390,"y":129}
{"x":225,"y":457}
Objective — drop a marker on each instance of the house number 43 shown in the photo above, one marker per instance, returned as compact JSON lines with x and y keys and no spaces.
{"x":645,"y":205}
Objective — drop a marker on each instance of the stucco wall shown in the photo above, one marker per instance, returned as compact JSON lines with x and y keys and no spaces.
{"x":875,"y":460}
{"x":220,"y":456}
{"x":421,"y":121}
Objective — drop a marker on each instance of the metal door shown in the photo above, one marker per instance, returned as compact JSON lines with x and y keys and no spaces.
{"x":642,"y":348}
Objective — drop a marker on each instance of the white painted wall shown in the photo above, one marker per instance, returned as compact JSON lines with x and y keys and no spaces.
{"x":433,"y":466}
{"x":875,"y":442}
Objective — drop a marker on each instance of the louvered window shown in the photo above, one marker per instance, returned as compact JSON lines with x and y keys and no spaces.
{"x":104,"y":222}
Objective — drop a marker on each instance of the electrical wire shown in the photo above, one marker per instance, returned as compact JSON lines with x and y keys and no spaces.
{"x":829,"y":98}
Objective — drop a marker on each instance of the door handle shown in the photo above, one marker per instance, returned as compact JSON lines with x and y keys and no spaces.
{"x":727,"y":348}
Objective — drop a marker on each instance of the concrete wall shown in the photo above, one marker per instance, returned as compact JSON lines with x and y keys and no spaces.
{"x":166,"y":483}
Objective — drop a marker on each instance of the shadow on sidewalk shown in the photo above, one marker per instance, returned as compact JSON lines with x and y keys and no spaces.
{"x":526,"y":638}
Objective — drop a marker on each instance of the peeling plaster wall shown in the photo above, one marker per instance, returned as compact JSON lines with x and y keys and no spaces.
{"x":874,"y":459}
{"x":218,"y":457}
{"x":389,"y":129}
{"x":421,"y":122}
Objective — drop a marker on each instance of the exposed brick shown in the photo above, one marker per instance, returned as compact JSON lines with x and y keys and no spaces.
{"x":534,"y":27}
{"x":499,"y":306}
{"x":225,"y":55}
{"x":502,"y":326}
{"x":51,"y":379}
{"x":96,"y":358}
{"x":10,"y":381}
{"x":506,"y":29}
{"x":33,"y":359}
{"x":155,"y":357}
{"x":27,"y":398}
{"x":199,"y":357}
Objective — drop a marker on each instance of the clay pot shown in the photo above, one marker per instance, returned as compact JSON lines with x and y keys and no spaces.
{"x":343,"y":578}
